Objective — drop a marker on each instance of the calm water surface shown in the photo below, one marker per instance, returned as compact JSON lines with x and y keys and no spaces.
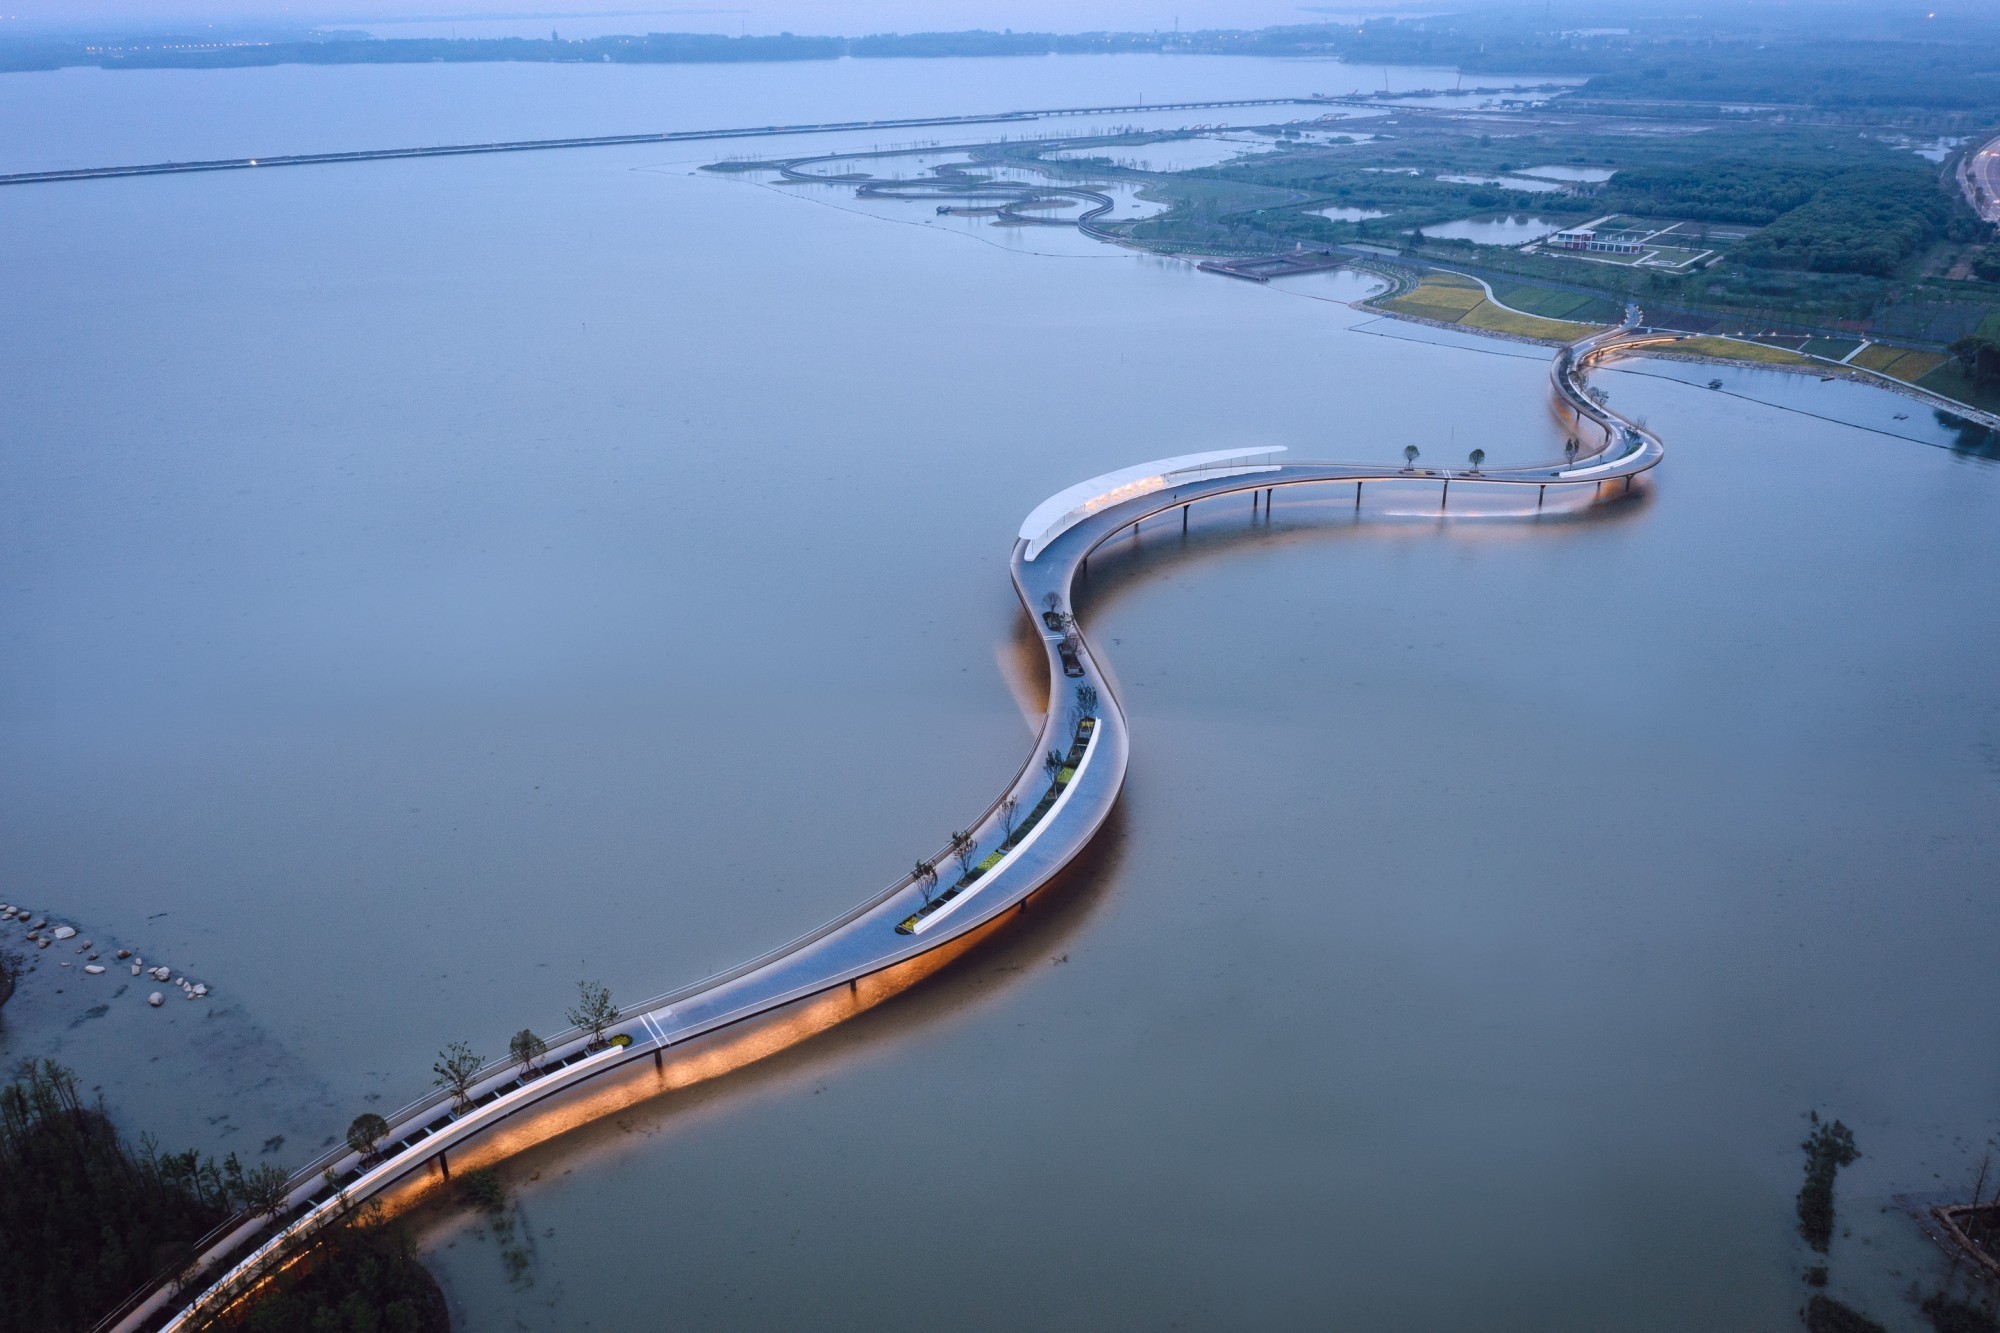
{"x":1513,"y":229}
{"x":431,"y":583}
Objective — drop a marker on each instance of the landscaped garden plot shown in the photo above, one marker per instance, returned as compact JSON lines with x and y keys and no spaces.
{"x":1636,"y":242}
{"x":1499,"y":319}
{"x":1900,"y":363}
{"x":1734,"y":350}
{"x":1452,"y":298}
{"x":1833,"y":349}
{"x":1555,"y":303}
{"x":1445,"y":296}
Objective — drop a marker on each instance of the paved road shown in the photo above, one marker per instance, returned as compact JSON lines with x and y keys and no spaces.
{"x":1979,"y":177}
{"x":862,"y":957}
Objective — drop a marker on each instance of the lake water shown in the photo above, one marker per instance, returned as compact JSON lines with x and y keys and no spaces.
{"x":1513,"y":229}
{"x":430,"y":583}
{"x":1510,"y":182}
{"x":1561,"y":173}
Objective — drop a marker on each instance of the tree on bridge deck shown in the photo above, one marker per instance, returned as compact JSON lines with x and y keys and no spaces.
{"x":966,"y":849}
{"x":456,"y":1067}
{"x":526,"y":1048}
{"x":367,"y":1133}
{"x":594,"y":1011}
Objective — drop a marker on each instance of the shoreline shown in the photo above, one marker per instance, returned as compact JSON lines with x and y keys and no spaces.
{"x":1823,"y":370}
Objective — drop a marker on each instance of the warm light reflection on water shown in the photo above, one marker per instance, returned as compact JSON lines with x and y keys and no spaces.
{"x":684,"y":1066}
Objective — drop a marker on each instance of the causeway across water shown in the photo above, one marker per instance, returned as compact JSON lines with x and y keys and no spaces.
{"x":1041,"y":822}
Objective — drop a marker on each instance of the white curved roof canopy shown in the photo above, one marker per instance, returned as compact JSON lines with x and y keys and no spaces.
{"x":1065,"y":509}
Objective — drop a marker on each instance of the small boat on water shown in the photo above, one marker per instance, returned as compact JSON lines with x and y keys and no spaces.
{"x":1715,"y":384}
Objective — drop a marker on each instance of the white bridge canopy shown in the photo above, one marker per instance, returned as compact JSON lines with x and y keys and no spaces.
{"x":1065,"y":509}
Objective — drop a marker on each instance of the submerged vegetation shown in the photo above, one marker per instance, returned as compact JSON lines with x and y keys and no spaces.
{"x":482,"y":1190}
{"x":1828,"y":1147}
{"x":1824,"y":1314}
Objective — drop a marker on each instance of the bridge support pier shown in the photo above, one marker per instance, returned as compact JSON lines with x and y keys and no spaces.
{"x":1446,"y":495}
{"x":1357,"y":497}
{"x":1540,"y":491}
{"x":1184,"y":510}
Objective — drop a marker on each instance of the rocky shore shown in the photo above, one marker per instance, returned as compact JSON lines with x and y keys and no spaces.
{"x":45,"y":933}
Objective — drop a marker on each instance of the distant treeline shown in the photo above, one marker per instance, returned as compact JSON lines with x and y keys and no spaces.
{"x":653,"y":48}
{"x":1794,"y":70}
{"x":1797,"y":69}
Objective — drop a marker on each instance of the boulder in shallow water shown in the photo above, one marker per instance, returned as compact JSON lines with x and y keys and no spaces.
{"x":64,"y":932}
{"x":124,"y":953}
{"x":135,"y":969}
{"x":156,"y":999}
{"x":201,"y":988}
{"x":93,"y":968}
{"x":161,"y":973}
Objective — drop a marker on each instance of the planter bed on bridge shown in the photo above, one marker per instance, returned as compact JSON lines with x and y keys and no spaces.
{"x":1085,"y":730}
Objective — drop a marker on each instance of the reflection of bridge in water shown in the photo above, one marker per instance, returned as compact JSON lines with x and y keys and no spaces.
{"x":1043,"y":820}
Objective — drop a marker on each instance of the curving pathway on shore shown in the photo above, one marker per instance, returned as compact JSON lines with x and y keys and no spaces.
{"x":1047,"y":815}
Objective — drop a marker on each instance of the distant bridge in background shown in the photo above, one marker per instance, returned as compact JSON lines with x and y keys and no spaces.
{"x":621,"y":140}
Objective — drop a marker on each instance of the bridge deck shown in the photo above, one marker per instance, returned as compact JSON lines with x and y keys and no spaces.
{"x":865,"y":942}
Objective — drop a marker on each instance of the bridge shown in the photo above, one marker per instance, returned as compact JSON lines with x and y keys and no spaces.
{"x":1014,"y":851}
{"x":1979,"y":178}
{"x":612,"y":141}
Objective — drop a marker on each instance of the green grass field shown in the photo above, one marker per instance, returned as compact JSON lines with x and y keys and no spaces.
{"x":1444,"y":296}
{"x":1950,"y":381}
{"x":1499,"y":319}
{"x":1877,"y":358}
{"x":1901,"y":363}
{"x":1455,"y":299}
{"x":1730,"y":349}
{"x":1555,"y":303}
{"x":1833,"y":349}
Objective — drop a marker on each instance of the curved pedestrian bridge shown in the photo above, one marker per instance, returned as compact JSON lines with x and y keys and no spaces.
{"x":1041,"y":822}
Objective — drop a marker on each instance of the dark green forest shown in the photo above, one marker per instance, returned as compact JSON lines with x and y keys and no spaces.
{"x":1859,"y":219}
{"x":85,"y":1219}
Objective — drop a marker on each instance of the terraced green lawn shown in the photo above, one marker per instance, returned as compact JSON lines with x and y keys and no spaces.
{"x":1731,"y":349}
{"x":1555,"y":303}
{"x":1453,"y":298}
